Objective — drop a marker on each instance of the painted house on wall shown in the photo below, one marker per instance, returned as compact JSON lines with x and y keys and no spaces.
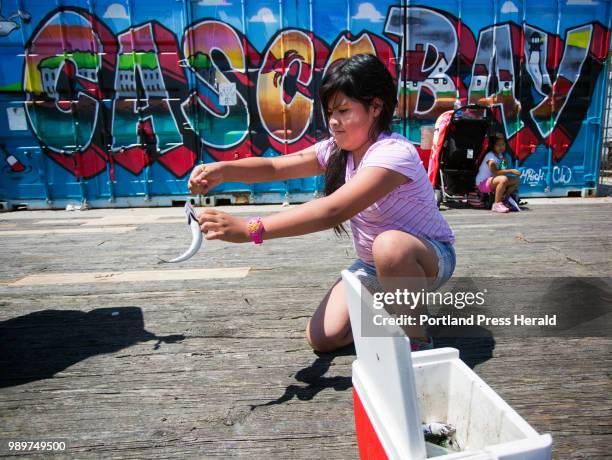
{"x":439,"y":80}
{"x":479,"y":82}
{"x":147,"y":66}
{"x":438,"y":85}
{"x":86,"y":63}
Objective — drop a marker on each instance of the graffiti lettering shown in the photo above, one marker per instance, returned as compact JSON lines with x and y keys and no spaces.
{"x":433,"y":62}
{"x":561,"y":175}
{"x":493,"y":76}
{"x":144,"y":95}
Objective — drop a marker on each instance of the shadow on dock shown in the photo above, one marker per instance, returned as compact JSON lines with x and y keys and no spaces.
{"x":314,"y":377}
{"x":38,"y":345}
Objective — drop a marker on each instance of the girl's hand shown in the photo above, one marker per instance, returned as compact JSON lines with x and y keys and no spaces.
{"x":223,"y":226}
{"x":204,"y":177}
{"x":516,"y":172}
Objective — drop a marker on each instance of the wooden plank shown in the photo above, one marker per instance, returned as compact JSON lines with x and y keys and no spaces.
{"x":65,"y":231}
{"x":132,"y":276}
{"x":75,"y":221}
{"x":133,"y":220}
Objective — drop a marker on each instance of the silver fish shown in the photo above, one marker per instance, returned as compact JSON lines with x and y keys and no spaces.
{"x":196,"y":236}
{"x":445,"y":431}
{"x":439,"y":429}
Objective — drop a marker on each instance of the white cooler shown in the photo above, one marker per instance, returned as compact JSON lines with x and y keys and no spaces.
{"x":396,"y":391}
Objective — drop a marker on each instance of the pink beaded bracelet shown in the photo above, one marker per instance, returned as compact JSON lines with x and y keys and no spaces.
{"x":256,"y":229}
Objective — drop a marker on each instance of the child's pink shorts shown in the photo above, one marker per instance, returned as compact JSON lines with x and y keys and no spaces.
{"x":485,"y":185}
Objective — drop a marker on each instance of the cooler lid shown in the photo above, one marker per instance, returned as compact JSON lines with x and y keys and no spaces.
{"x":383,"y":376}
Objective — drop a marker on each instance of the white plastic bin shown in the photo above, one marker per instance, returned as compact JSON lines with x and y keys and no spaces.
{"x":395,"y":391}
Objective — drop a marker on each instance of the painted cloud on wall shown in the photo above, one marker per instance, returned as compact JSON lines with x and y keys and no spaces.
{"x":509,"y":7}
{"x":264,"y":15}
{"x":115,"y":11}
{"x":368,"y":11}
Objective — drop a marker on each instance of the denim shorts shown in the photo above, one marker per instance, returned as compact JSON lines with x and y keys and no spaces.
{"x":446,"y":264}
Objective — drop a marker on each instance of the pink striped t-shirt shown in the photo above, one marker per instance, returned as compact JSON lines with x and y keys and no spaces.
{"x":411,"y":207}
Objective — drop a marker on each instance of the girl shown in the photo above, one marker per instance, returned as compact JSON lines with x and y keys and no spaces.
{"x":493,"y":178}
{"x":373,"y":177}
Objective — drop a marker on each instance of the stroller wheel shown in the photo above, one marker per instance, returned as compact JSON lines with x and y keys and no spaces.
{"x":438,"y":194}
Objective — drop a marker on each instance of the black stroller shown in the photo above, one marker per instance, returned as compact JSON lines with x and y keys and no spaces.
{"x":461,"y":139}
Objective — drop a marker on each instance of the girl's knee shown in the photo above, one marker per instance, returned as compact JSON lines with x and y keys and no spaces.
{"x":323,"y":341}
{"x":386,"y":255}
{"x":383,"y":244}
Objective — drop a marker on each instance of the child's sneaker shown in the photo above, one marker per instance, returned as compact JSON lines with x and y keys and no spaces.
{"x":499,"y":207}
{"x":419,"y":345}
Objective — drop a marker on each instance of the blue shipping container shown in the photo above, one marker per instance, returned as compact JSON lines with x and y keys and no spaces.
{"x":114,"y":102}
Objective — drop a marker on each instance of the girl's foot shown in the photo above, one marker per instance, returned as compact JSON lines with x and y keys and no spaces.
{"x":499,"y":207}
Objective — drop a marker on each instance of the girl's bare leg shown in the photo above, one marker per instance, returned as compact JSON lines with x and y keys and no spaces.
{"x":499,"y":185}
{"x":404,"y":261}
{"x":330,"y":327}
{"x":513,"y":183}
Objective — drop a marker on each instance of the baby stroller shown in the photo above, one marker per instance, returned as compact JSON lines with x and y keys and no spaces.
{"x":461,"y":139}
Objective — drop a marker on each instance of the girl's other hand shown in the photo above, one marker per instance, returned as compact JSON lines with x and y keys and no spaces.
{"x":218,"y":225}
{"x":516,"y":172}
{"x":204,"y":177}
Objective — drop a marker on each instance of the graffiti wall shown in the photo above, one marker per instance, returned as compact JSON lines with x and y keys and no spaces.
{"x":114,"y":102}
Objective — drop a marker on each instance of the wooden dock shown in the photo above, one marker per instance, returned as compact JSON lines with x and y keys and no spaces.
{"x":214,"y":364}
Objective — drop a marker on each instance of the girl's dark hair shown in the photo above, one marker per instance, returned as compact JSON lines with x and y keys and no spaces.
{"x":361,"y":77}
{"x":495,"y":138}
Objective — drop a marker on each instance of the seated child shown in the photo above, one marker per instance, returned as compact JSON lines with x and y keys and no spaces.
{"x":493,"y":175}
